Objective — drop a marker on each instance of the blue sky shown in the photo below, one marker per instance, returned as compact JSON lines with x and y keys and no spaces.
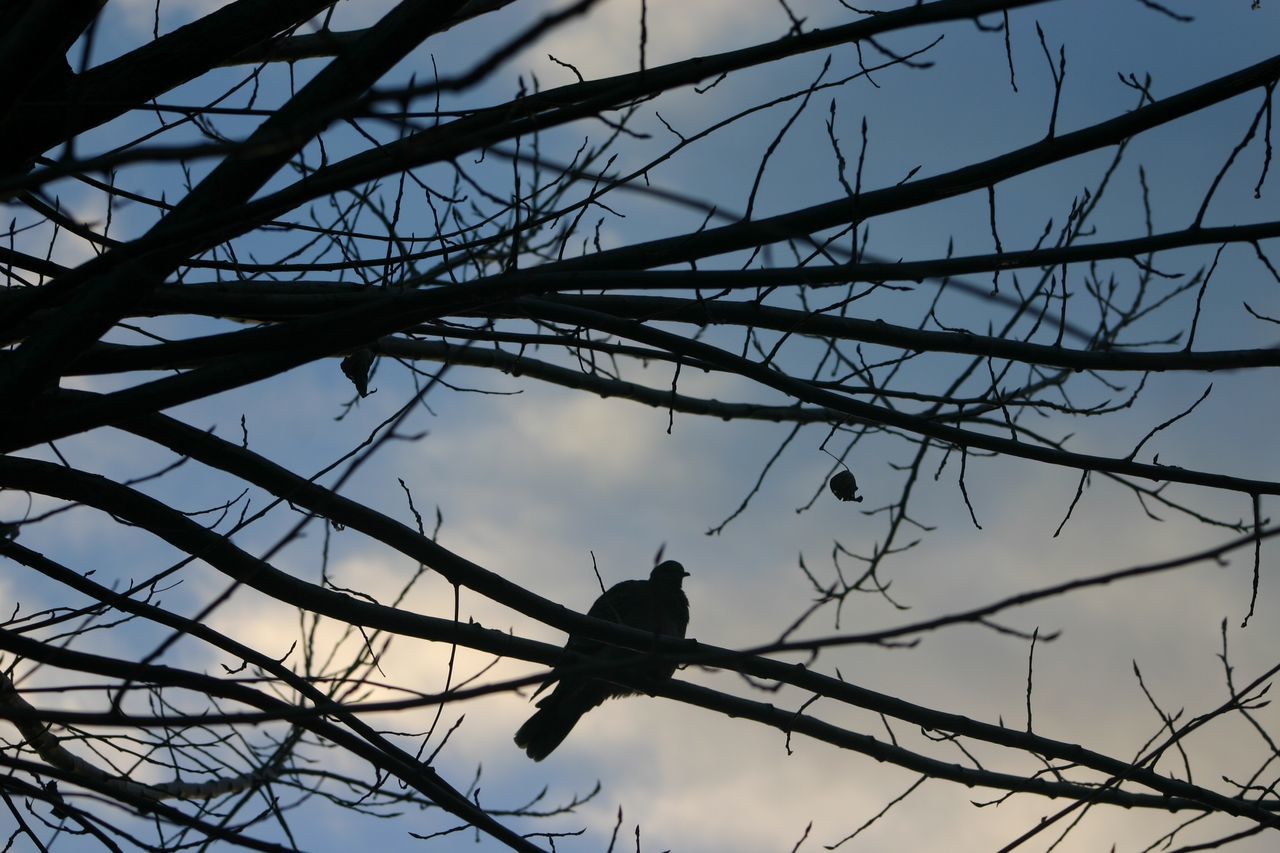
{"x":531,"y":483}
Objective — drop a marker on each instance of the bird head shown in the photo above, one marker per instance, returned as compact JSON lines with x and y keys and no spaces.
{"x":668,"y":572}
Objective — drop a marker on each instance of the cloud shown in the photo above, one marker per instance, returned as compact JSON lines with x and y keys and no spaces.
{"x":607,"y":40}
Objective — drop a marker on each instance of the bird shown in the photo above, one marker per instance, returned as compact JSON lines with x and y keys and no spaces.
{"x":657,"y":605}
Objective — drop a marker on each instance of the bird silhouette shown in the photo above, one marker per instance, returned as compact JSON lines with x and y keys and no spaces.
{"x":657,"y":605}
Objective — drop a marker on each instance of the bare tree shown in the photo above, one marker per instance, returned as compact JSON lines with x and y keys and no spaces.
{"x":398,"y":207}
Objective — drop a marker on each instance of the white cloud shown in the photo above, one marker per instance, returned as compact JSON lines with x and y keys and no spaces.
{"x":607,"y":40}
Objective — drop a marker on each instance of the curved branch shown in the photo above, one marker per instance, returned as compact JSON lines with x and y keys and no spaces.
{"x":192,"y":538}
{"x":868,"y":413}
{"x":414,"y":773}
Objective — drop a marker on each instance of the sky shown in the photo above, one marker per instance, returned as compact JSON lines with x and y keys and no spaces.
{"x":537,"y":482}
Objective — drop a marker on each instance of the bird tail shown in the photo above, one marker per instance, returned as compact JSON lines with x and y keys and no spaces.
{"x":548,"y":726}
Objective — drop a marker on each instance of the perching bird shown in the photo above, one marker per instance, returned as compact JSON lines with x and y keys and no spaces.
{"x":658,"y":605}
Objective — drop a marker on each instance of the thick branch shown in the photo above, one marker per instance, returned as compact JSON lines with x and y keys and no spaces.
{"x":217,"y":551}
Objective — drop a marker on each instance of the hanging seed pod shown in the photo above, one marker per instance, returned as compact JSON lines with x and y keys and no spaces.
{"x":356,"y":367}
{"x":845,"y":487}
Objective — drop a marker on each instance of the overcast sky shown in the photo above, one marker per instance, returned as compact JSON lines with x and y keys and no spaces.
{"x":533,"y":480}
